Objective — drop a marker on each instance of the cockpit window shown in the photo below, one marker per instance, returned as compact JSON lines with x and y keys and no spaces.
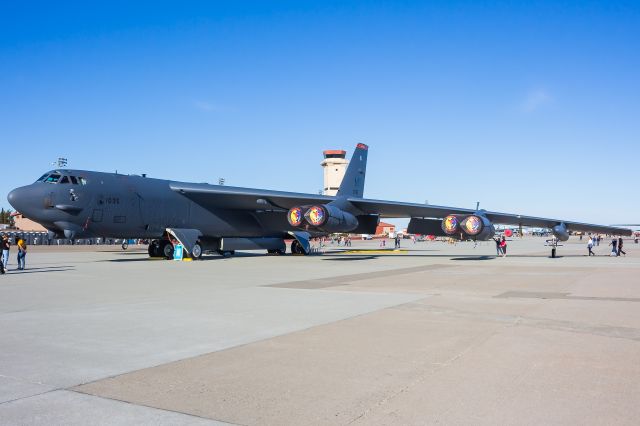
{"x":64,"y":179}
{"x":43,"y":177}
{"x":73,"y":180}
{"x":53,"y":178}
{"x":82,"y":181}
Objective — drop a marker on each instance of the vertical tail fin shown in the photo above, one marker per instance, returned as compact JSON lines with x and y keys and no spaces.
{"x":353,"y":182}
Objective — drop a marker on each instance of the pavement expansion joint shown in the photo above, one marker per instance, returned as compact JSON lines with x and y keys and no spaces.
{"x":93,"y":395}
{"x":561,"y":296}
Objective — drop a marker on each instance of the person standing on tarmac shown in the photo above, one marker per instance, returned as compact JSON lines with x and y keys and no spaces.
{"x":498,"y":249}
{"x":5,"y":245}
{"x":590,"y":247}
{"x":22,"y":253}
{"x":503,"y":246}
{"x":620,"y":247}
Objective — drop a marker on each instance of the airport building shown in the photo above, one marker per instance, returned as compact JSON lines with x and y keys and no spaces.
{"x":334,"y":167}
{"x":385,"y":228}
{"x":27,"y":225}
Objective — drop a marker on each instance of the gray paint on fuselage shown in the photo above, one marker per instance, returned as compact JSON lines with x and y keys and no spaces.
{"x":130,"y":206}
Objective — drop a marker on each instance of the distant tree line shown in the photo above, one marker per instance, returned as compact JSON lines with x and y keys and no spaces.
{"x":5,"y":217}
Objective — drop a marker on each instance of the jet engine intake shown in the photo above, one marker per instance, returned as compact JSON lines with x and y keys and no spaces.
{"x":295,"y":217}
{"x":561,"y":232}
{"x":478,"y":227}
{"x":330,"y":219}
{"x":451,"y":225}
{"x":325,"y":218}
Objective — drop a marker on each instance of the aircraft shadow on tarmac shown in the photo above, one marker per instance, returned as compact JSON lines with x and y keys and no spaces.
{"x":204,"y":258}
{"x":346,"y":257}
{"x":41,"y":270}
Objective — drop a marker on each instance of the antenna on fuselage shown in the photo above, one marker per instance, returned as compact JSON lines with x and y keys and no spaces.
{"x":60,"y":163}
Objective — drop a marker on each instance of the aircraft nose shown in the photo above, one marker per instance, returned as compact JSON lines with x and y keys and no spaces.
{"x":20,"y":198}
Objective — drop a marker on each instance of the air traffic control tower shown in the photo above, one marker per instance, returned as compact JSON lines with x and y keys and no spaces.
{"x":334,"y":166}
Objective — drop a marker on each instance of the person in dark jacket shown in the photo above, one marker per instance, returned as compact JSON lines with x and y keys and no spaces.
{"x":620,"y":247}
{"x":498,"y":249}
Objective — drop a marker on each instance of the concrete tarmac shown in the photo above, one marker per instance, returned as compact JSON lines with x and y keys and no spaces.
{"x":433,"y":333}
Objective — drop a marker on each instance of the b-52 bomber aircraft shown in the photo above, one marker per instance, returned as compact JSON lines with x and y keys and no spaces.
{"x":213,"y":218}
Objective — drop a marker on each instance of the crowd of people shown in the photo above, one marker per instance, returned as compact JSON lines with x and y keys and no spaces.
{"x":21,"y":247}
{"x":616,"y":245}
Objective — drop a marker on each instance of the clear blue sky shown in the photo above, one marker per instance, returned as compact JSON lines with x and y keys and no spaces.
{"x":530,"y":107}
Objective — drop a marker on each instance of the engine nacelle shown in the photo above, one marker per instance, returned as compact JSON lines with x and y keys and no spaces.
{"x":330,"y":219}
{"x":560,"y":232}
{"x":478,"y":227}
{"x":295,"y":216}
{"x":451,"y":225}
{"x":325,"y":218}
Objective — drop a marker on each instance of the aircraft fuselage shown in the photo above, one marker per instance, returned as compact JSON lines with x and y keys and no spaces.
{"x":83,"y":204}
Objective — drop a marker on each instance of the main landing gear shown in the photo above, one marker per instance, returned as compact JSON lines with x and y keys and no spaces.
{"x":276,"y":252}
{"x":164,"y":249}
{"x":161,"y":248}
{"x":296,"y":248}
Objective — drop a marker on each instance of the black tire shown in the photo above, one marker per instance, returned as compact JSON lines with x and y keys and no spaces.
{"x":296,"y":248}
{"x":196,"y":252}
{"x":167,"y":250}
{"x":154,"y":249}
{"x":125,"y":245}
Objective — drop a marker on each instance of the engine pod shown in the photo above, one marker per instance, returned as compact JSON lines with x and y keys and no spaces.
{"x":316,"y":216}
{"x":330,"y":219}
{"x":295,"y":217}
{"x":472,"y":225}
{"x":478,"y":227}
{"x":451,"y":225}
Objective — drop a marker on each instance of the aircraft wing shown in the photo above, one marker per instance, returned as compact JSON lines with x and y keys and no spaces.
{"x":402,"y":210}
{"x":213,"y":197}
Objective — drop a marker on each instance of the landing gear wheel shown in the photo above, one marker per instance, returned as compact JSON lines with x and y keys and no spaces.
{"x":277,"y":252}
{"x":226,"y":253}
{"x":196,"y":252}
{"x":296,"y":248}
{"x":154,"y":249}
{"x":125,"y":245}
{"x":167,"y":250}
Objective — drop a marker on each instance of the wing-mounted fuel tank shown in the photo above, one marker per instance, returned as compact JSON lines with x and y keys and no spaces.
{"x":324,"y":218}
{"x":561,"y":232}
